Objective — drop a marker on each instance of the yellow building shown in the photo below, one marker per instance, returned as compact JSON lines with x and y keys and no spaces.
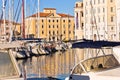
{"x":50,"y":25}
{"x":100,"y":19}
{"x":79,"y":20}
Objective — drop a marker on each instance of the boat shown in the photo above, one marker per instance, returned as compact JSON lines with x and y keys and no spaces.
{"x":42,"y":50}
{"x":60,"y":46}
{"x":20,"y":53}
{"x":101,"y":67}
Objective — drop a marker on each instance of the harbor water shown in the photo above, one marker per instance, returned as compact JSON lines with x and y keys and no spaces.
{"x":57,"y":65}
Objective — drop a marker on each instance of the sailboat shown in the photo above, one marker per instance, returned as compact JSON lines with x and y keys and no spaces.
{"x":99,"y":67}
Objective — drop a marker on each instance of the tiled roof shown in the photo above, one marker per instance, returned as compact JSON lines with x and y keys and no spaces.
{"x":49,"y":8}
{"x":6,"y":21}
{"x":41,"y":14}
{"x":65,"y":15}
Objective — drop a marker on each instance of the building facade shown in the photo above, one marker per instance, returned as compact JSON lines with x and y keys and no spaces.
{"x":50,"y":25}
{"x":100,"y":19}
{"x":118,"y":19}
{"x":79,"y":20}
{"x":8,"y":27}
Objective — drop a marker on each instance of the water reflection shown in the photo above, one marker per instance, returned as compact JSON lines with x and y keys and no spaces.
{"x":55,"y":65}
{"x":59,"y":64}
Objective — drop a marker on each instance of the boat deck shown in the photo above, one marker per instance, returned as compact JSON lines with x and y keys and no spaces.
{"x":111,"y":72}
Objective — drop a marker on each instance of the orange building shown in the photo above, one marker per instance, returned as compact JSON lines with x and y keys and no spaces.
{"x":50,"y":25}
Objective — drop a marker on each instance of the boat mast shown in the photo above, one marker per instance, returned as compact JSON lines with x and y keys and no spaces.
{"x":23,"y":20}
{"x":3,"y":1}
{"x":93,"y":15}
{"x":38,"y":19}
{"x":11,"y":13}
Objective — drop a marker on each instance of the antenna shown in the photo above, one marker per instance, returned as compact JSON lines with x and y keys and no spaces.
{"x":3,"y":1}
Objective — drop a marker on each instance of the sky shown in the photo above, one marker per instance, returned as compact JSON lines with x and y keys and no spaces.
{"x":62,"y":6}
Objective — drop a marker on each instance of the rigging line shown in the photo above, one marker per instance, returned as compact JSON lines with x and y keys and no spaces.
{"x":30,"y":20}
{"x":34,"y":6}
{"x":17,"y":17}
{"x":2,"y":13}
{"x":17,"y":9}
{"x":2,"y":10}
{"x":94,"y":19}
{"x":17,"y":20}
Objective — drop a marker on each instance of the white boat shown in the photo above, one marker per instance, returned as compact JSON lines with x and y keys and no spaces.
{"x":21,"y":52}
{"x":42,"y":50}
{"x":61,"y":47}
{"x":104,"y":67}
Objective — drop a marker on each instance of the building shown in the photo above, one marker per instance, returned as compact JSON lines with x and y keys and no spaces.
{"x":50,"y":25}
{"x":79,"y":20}
{"x":6,"y":29}
{"x":118,"y":19}
{"x":100,"y":19}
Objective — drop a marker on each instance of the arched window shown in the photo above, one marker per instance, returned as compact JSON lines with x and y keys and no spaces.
{"x":76,"y":5}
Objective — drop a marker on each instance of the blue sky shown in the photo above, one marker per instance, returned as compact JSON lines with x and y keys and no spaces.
{"x":62,"y":6}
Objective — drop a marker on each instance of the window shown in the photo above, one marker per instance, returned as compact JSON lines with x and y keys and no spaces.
{"x":69,"y":25}
{"x":42,"y":20}
{"x":86,"y":12}
{"x":63,"y":20}
{"x":98,"y":19}
{"x":103,"y":9}
{"x":69,"y":32}
{"x":53,"y":32}
{"x":94,"y":1}
{"x":111,"y":0}
{"x":42,"y":32}
{"x":76,"y":5}
{"x":57,"y":20}
{"x":53,"y":20}
{"x":42,"y":26}
{"x":82,"y":14}
{"x":111,"y":9}
{"x":103,"y":19}
{"x":49,"y":32}
{"x":49,"y":26}
{"x":98,"y":1}
{"x":82,"y":26}
{"x":7,"y":28}
{"x":57,"y":26}
{"x":64,"y":32}
{"x":86,"y":3}
{"x":112,"y":28}
{"x":94,"y":10}
{"x":64,"y":26}
{"x":49,"y":20}
{"x":111,"y":18}
{"x":69,"y":20}
{"x":53,"y":26}
{"x":103,"y":1}
{"x":98,"y":10}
